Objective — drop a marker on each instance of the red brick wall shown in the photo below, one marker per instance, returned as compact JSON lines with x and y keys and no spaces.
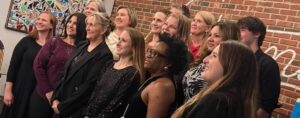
{"x":282,"y":18}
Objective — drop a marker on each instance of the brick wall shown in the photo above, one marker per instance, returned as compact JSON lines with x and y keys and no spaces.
{"x":282,"y":18}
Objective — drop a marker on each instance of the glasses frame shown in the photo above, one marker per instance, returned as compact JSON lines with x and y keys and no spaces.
{"x":153,"y":53}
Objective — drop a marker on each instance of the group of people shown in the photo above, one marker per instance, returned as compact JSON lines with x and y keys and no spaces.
{"x":184,"y":68}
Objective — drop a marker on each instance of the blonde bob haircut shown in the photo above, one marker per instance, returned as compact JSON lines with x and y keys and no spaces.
{"x":131,"y":14}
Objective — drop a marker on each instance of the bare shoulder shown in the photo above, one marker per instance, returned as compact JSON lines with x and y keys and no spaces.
{"x":163,"y":84}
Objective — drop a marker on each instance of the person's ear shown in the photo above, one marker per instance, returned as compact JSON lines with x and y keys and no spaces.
{"x":103,"y":30}
{"x":167,"y":67}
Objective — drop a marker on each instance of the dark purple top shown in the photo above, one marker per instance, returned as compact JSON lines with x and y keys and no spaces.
{"x":49,"y":64}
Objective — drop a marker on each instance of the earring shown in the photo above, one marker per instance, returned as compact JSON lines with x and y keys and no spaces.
{"x":166,"y":68}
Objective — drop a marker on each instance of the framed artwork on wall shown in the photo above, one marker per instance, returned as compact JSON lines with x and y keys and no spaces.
{"x":22,"y":13}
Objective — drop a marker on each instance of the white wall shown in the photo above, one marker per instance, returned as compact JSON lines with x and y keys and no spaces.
{"x":10,"y":38}
{"x":109,"y":4}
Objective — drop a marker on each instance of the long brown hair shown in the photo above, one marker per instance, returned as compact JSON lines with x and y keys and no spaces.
{"x":138,"y":49}
{"x":228,"y":30}
{"x":240,"y":73}
{"x":53,"y":21}
{"x":184,"y":27}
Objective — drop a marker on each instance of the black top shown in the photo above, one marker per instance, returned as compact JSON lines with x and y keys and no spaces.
{"x":21,"y":74}
{"x":78,"y":58}
{"x":137,"y":108}
{"x":78,"y":81}
{"x":217,"y":105}
{"x":269,"y":81}
{"x":112,"y":92}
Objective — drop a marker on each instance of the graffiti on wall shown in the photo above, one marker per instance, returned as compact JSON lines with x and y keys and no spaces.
{"x":22,"y":13}
{"x":284,"y":71}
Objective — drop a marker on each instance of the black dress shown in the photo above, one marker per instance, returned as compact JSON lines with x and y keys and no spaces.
{"x":112,"y":92}
{"x":21,"y":74}
{"x":79,"y":78}
{"x":221,"y":104}
{"x":138,"y":109}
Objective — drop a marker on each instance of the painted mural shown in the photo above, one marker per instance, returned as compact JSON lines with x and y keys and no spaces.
{"x":22,"y":13}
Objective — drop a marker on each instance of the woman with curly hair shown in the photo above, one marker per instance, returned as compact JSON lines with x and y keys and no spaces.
{"x":157,"y":96}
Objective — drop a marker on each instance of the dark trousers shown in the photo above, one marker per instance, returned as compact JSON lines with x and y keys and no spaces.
{"x":39,"y":107}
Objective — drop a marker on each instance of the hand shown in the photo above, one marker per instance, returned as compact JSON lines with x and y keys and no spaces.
{"x":49,"y":95}
{"x":55,"y":104}
{"x":8,"y":97}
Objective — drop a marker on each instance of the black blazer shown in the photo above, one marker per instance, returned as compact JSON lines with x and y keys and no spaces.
{"x":78,"y":81}
{"x":219,"y":104}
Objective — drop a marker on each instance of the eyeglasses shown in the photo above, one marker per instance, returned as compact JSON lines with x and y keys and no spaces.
{"x":153,"y":53}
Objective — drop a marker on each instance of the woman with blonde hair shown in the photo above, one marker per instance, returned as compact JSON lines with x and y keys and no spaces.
{"x":21,"y":81}
{"x":158,"y":21}
{"x":177,"y":26}
{"x":232,"y":91}
{"x":82,"y":69}
{"x":200,"y":26}
{"x":120,"y":80}
{"x":94,"y":6}
{"x":180,"y":9}
{"x":125,"y":17}
{"x":192,"y":82}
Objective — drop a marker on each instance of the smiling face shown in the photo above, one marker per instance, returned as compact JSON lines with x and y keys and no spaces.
{"x":71,"y":26}
{"x":155,"y":59}
{"x":90,"y":9}
{"x":124,"y":46}
{"x":93,"y":28}
{"x":171,"y":26}
{"x":214,"y":38}
{"x":43,"y":22}
{"x":157,"y":22}
{"x":213,"y":68}
{"x":122,"y":19}
{"x":198,"y":25}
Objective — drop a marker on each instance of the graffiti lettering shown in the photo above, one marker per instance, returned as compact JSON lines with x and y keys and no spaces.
{"x":276,"y":55}
{"x":283,"y":73}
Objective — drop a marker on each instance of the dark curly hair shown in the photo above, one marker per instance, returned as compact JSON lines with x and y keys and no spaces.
{"x":176,"y":53}
{"x":255,"y":25}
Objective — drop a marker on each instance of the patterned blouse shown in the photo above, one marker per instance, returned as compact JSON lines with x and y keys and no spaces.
{"x":192,"y":82}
